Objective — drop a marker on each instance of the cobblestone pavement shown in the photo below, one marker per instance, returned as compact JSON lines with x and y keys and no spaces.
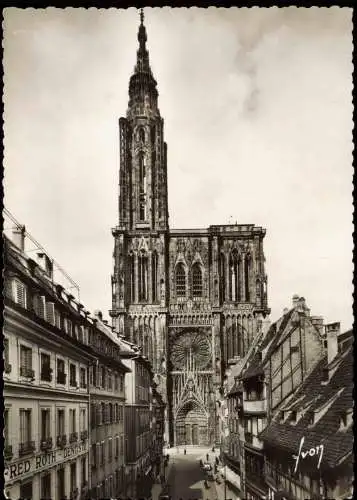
{"x":185,"y":477}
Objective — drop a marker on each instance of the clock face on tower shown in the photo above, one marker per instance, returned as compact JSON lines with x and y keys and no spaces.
{"x":191,"y":351}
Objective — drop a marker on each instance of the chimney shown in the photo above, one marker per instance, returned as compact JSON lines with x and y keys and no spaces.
{"x":46,"y":264}
{"x":301,"y":304}
{"x":318,"y":322}
{"x":105,"y":321}
{"x":295,"y":300}
{"x":99,"y":315}
{"x":18,"y":237}
{"x":332,"y":331}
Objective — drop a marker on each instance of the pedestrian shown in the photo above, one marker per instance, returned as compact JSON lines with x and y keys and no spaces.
{"x":213,"y":449}
{"x":217,"y":461}
{"x":184,"y":451}
{"x":207,"y":457}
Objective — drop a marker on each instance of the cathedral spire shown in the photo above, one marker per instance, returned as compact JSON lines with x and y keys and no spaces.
{"x":142,"y":84}
{"x":142,"y":57}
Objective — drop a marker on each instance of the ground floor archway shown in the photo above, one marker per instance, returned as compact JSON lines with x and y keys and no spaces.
{"x":191,"y":425}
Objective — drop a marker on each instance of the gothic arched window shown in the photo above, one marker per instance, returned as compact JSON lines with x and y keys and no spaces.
{"x":197,"y":288}
{"x":154,"y":261}
{"x":246,"y":277}
{"x":141,"y":135}
{"x":131,"y":272}
{"x":234,"y":276}
{"x":180,"y":280}
{"x":143,"y":277}
{"x":222,"y":275}
{"x":142,"y":187}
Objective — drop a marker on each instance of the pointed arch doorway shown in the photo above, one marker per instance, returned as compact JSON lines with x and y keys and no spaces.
{"x":191,"y":425}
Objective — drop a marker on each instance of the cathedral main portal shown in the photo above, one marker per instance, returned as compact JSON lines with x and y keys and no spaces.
{"x":192,"y":398}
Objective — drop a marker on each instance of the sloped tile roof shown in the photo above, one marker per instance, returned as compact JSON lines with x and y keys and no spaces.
{"x":312,"y":396}
{"x":274,"y":334}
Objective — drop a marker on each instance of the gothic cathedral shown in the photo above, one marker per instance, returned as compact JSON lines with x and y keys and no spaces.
{"x":193,"y":300}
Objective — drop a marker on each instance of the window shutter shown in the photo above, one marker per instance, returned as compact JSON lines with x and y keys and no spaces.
{"x":57,"y":319}
{"x":81,"y":336}
{"x":50,"y":312}
{"x":20,"y":293}
{"x":41,"y":306}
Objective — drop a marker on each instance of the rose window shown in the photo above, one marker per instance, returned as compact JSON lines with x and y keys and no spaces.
{"x":191,"y":351}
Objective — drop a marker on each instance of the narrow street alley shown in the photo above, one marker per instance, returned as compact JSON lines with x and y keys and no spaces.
{"x":186,"y":478}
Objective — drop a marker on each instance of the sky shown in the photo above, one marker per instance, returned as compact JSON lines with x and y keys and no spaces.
{"x":257,"y":106}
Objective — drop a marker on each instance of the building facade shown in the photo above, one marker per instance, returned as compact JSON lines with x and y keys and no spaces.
{"x":46,"y":398}
{"x":64,"y":388}
{"x":309,"y":442}
{"x":107,"y":411}
{"x":139,"y":436}
{"x":193,"y":299}
{"x":268,"y":407}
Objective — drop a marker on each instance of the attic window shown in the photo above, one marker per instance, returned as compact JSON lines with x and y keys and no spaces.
{"x":311,"y":418}
{"x":325,"y":344}
{"x":294,"y":348}
{"x":325,"y":375}
{"x":345,"y":419}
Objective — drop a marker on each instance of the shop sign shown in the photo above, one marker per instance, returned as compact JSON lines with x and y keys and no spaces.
{"x":36,"y":463}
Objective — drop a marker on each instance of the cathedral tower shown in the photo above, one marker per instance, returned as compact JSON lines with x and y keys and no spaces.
{"x":192,"y":299}
{"x":139,"y":278}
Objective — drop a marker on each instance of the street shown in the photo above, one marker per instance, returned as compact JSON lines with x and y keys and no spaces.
{"x":185,"y":477}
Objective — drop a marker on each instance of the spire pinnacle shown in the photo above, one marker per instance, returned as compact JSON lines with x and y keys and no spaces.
{"x":141,"y":16}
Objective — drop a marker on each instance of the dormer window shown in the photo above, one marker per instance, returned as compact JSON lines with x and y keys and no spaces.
{"x":346,"y":419}
{"x":325,"y":375}
{"x":311,"y":418}
{"x":293,"y":416}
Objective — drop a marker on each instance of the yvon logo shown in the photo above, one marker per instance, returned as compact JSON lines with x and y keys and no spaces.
{"x":317,"y":450}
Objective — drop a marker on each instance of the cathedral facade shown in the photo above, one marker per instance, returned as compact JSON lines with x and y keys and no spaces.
{"x":193,"y":299}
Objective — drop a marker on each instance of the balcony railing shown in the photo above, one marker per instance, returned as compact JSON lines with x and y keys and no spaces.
{"x":46,"y":374}
{"x":61,"y":440}
{"x":84,"y":435}
{"x":27,"y":372}
{"x":27,"y":448}
{"x":46,"y":444}
{"x":61,"y":378}
{"x":7,"y":367}
{"x":8,"y":454}
{"x":73,"y":437}
{"x":254,"y":406}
